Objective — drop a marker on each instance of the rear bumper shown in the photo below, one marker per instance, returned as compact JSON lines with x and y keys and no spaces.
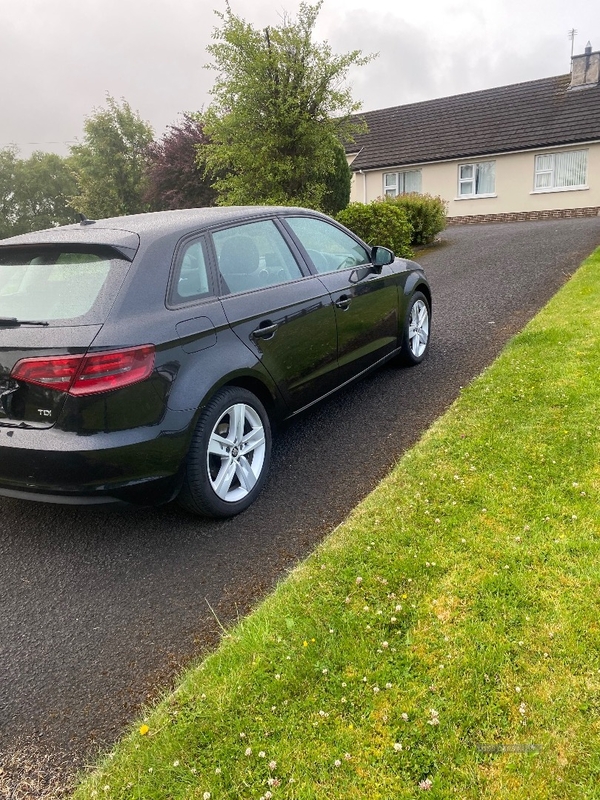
{"x":142,"y":465}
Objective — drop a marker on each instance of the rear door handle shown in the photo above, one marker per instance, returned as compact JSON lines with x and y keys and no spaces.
{"x":343,"y":302}
{"x":265,"y":331}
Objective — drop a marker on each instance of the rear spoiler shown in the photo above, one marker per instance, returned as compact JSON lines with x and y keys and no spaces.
{"x":125,"y":243}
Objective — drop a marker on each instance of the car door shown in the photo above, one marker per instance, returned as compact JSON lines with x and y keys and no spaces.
{"x":365,"y":300}
{"x":283,"y":315}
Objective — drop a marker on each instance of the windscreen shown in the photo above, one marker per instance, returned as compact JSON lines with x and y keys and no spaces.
{"x":65,"y":285}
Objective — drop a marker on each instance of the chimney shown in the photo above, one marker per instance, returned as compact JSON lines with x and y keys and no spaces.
{"x":585,"y":69}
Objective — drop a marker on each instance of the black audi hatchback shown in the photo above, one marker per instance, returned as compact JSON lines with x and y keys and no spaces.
{"x":144,"y":358}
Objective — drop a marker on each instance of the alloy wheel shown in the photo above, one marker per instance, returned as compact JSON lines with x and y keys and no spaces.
{"x":418,"y":328}
{"x":236,"y":452}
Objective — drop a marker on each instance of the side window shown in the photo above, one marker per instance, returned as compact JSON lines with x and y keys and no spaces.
{"x":328,"y":247}
{"x":252,"y":256}
{"x":560,"y":170}
{"x":476,"y":180}
{"x":408,"y":182}
{"x":191,"y":277}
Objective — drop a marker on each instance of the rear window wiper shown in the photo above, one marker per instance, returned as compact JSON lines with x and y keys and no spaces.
{"x":13,"y":322}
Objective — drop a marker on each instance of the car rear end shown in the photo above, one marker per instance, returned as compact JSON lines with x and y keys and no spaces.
{"x":77,"y":423}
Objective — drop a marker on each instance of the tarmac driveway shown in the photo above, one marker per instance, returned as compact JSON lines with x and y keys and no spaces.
{"x":99,"y":608}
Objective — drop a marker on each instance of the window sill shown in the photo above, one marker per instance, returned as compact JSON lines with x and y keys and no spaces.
{"x":561,"y":189}
{"x":475,"y":196}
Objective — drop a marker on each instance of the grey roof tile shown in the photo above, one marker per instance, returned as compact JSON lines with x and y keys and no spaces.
{"x":521,"y":116}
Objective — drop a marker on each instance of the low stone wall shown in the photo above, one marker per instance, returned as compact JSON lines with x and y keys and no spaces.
{"x":518,"y":216}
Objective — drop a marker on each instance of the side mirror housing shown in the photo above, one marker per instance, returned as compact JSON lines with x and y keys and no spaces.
{"x":380,"y":257}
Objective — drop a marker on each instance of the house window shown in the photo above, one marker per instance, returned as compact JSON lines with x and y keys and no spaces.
{"x":560,"y":171}
{"x":395,"y":183}
{"x":476,"y":180}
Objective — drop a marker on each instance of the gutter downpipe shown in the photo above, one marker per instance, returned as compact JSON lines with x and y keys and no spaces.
{"x":360,"y":172}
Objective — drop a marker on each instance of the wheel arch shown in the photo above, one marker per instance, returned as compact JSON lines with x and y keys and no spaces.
{"x":261,"y":386}
{"x":259,"y":389}
{"x":417,"y":284}
{"x":424,"y":289}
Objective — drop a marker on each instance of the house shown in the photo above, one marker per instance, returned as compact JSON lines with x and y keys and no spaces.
{"x":526,"y":151}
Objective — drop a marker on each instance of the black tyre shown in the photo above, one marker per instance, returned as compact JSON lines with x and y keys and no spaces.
{"x":415,"y":341}
{"x":229,"y":456}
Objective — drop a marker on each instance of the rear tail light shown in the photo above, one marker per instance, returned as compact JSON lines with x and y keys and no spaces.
{"x":87,"y":374}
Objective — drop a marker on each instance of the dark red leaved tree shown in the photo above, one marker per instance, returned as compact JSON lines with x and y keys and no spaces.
{"x":174,"y":179}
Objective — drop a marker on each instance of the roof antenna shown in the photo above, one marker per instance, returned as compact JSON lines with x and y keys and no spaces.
{"x":572,"y":34}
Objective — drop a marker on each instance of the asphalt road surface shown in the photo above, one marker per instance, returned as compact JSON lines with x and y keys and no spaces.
{"x":99,"y":609}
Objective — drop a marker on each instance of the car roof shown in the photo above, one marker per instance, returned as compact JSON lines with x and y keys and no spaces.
{"x":126,"y":231}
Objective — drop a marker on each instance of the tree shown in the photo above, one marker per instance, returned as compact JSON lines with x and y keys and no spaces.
{"x":110,"y":164}
{"x":337,"y":182}
{"x":174,"y":179}
{"x":34,"y":192}
{"x":8,"y":168}
{"x":45,"y":182}
{"x":280,"y":107}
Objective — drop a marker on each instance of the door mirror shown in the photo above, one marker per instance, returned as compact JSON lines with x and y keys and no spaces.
{"x":380,"y":256}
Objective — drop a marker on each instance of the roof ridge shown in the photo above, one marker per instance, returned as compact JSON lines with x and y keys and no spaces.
{"x":464,"y":94}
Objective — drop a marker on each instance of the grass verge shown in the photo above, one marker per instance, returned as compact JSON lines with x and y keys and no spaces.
{"x":445,"y":638}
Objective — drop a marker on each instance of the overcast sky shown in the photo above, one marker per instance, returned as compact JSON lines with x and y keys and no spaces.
{"x":59,"y":58}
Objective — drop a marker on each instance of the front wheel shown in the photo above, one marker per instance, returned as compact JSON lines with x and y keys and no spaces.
{"x":229,"y":455}
{"x":416,"y":330}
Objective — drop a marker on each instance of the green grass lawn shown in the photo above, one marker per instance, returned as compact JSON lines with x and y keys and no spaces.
{"x":444,"y":639}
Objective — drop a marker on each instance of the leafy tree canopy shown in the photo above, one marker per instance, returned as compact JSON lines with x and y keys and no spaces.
{"x":34,"y":192}
{"x":8,"y":166}
{"x":280,"y":107}
{"x":174,"y":178}
{"x":110,"y":163}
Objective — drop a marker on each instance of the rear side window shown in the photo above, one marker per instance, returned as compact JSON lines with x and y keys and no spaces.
{"x":191,"y":279}
{"x":60,"y":285}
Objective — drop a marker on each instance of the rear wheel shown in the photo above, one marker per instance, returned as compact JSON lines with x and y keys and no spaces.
{"x":229,"y":456}
{"x":416,"y":330}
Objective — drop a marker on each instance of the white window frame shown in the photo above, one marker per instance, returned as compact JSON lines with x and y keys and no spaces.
{"x":392,"y":188}
{"x":551,"y":170}
{"x":463,"y":181}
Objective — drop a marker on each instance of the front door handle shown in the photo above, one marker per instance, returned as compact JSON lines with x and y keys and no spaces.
{"x":343,"y":302}
{"x":266,"y":330}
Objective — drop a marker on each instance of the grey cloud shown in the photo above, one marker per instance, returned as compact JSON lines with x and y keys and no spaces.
{"x":405,"y":67}
{"x":59,"y":58}
{"x":416,"y":63}
{"x":64,"y":56}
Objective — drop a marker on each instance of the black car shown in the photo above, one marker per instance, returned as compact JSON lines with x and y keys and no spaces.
{"x":144,"y":358}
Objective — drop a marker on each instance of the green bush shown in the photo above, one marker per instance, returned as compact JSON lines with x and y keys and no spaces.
{"x":426,"y":214}
{"x":379,"y":223}
{"x":337,"y":182}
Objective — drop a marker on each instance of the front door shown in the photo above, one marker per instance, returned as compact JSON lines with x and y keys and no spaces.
{"x":366,"y":302}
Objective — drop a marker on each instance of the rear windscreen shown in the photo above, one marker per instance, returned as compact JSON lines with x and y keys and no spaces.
{"x":59,"y":285}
